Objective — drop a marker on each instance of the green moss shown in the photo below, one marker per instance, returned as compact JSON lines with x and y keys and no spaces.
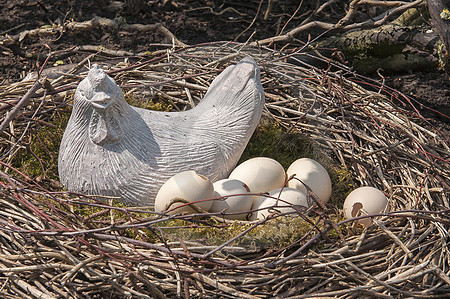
{"x":271,"y":140}
{"x":445,"y":14}
{"x":443,"y":57}
{"x":396,"y":63}
{"x":412,"y":17}
{"x":149,"y":104}
{"x":40,"y":158}
{"x":275,"y":233}
{"x":367,"y":43}
{"x":342,"y":182}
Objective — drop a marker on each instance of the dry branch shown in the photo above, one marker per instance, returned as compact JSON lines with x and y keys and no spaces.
{"x":22,"y":102}
{"x":93,"y":24}
{"x":393,"y":10}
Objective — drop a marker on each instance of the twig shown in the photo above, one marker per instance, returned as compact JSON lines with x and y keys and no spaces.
{"x":22,"y":102}
{"x":251,"y":24}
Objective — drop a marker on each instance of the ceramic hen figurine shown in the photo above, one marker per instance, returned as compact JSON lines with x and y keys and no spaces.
{"x":113,"y":149}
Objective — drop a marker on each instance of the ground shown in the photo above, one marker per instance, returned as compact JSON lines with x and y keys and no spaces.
{"x":192,"y":22}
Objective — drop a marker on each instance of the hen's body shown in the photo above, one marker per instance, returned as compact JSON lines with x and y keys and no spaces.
{"x":113,"y":149}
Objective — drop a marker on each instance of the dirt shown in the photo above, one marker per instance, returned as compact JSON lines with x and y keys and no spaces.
{"x":430,"y":93}
{"x":191,"y":21}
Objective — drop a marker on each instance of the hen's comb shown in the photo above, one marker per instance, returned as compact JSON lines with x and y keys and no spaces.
{"x":97,"y":78}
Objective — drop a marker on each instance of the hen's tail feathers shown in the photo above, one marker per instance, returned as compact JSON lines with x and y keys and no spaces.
{"x":234,"y":84}
{"x":231,"y":110}
{"x":234,"y":101}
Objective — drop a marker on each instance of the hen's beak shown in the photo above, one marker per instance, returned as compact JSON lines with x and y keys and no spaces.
{"x":101,"y":100}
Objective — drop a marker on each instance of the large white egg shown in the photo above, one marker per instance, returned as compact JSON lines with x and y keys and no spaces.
{"x":186,"y":185}
{"x":369,"y":199}
{"x":314,"y":175}
{"x":234,"y":198}
{"x":279,"y":199}
{"x":260,"y":174}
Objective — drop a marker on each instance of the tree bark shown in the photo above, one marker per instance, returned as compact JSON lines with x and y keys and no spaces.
{"x":383,"y":41}
{"x":392,"y":47}
{"x":440,"y":18}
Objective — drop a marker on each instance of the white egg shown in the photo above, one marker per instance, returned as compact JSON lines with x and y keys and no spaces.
{"x":365,"y":200}
{"x":279,"y":199}
{"x":314,"y":175}
{"x":234,"y":198}
{"x":260,"y":174}
{"x":186,"y":185}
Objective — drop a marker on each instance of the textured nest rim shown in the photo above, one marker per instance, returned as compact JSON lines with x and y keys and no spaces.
{"x":49,"y":252}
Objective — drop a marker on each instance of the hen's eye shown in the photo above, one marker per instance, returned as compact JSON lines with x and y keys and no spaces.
{"x":83,"y":94}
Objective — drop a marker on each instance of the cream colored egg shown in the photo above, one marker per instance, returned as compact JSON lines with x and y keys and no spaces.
{"x":188,"y":186}
{"x":314,"y":175}
{"x":260,"y":174}
{"x":235,"y":198}
{"x":278,"y":201}
{"x":365,"y":200}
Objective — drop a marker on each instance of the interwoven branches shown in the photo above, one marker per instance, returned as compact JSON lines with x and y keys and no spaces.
{"x":60,"y":244}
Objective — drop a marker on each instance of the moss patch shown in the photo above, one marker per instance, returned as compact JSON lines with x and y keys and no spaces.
{"x":342,"y":182}
{"x":149,"y":104}
{"x":274,"y":234}
{"x":39,"y":158}
{"x":271,"y":140}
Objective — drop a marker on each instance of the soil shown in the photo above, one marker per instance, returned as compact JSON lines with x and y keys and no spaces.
{"x":192,"y":22}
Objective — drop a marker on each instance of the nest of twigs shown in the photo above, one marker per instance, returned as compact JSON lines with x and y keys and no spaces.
{"x":59,"y":244}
